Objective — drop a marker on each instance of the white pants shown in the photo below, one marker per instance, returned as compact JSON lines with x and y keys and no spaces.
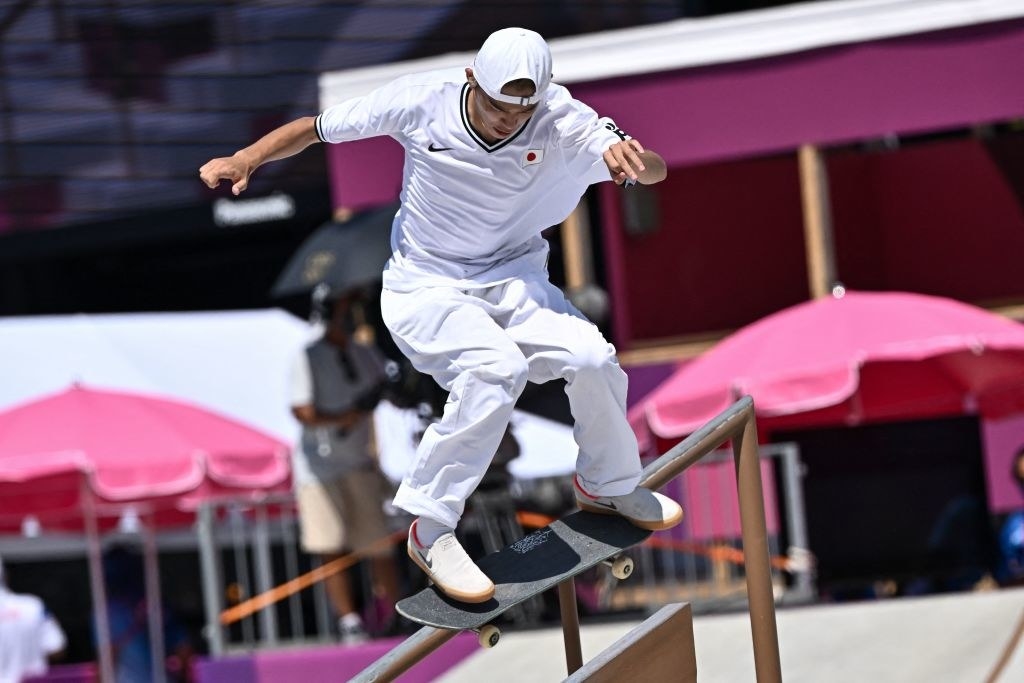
{"x":483,"y":345}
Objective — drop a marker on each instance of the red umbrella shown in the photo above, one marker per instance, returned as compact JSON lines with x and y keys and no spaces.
{"x":129,"y":448}
{"x":847,"y":359}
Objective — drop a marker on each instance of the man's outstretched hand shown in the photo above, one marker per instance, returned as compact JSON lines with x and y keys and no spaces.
{"x":233,"y":169}
{"x":289,"y":139}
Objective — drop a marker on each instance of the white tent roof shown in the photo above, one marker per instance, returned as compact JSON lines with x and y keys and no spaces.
{"x":686,"y":43}
{"x":235,"y":362}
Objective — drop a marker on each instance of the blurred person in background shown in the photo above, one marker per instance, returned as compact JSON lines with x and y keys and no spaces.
{"x":1011,"y":534}
{"x":495,"y":153}
{"x":128,"y":612}
{"x":29,"y":635}
{"x":336,"y":383}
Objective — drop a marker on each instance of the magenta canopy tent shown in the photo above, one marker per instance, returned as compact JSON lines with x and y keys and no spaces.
{"x":846,"y":359}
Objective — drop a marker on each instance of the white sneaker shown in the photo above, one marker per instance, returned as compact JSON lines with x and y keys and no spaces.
{"x":643,"y":508}
{"x":449,"y":567}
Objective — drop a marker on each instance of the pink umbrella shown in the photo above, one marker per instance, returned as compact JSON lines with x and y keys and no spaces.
{"x":68,"y":459}
{"x":846,"y":359}
{"x":130,"y":448}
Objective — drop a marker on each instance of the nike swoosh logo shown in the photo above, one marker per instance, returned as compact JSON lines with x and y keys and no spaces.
{"x":422,"y":554}
{"x":431,"y":148}
{"x":610,"y":506}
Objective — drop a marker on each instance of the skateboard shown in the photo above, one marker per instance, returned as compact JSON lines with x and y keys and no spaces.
{"x":540,"y":560}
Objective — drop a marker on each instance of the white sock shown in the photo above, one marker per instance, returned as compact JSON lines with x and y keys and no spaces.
{"x":351,"y":620}
{"x":429,"y":530}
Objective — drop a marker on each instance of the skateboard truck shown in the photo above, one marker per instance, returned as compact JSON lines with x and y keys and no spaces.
{"x":621,"y":566}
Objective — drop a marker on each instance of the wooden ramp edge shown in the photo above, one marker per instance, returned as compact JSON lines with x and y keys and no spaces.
{"x":662,"y":647}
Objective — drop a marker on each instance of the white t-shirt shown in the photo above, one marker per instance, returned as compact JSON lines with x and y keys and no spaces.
{"x":472,"y":212}
{"x":27,"y":635}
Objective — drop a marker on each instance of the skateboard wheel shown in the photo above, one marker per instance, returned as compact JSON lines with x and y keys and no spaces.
{"x":488,"y":636}
{"x":622,"y":567}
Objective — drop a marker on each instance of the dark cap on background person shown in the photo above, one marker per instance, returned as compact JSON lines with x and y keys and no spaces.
{"x":509,"y":55}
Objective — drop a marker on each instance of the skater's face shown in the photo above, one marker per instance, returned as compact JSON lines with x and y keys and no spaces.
{"x":497,"y":120}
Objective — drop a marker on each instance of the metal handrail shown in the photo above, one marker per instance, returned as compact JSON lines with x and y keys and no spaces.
{"x":738,"y":424}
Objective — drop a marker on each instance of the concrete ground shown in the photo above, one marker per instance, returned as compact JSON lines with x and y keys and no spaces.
{"x":951,"y":638}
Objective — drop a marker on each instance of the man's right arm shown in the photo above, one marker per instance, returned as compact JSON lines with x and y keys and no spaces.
{"x":280,"y":143}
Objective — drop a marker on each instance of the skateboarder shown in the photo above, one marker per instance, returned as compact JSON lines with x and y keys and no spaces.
{"x":494,"y":154}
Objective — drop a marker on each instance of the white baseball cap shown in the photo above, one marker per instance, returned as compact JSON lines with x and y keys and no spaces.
{"x":508,"y":55}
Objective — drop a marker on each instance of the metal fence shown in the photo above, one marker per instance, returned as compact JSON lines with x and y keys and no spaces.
{"x":249,"y":549}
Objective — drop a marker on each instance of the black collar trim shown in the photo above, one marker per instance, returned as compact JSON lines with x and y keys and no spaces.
{"x":487,"y":146}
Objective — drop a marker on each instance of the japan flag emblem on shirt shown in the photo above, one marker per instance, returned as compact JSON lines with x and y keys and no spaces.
{"x":533,"y":156}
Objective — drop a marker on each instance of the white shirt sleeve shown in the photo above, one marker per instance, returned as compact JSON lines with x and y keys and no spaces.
{"x":385,"y":111}
{"x":301,"y":384}
{"x":52,"y":637}
{"x":584,"y":138}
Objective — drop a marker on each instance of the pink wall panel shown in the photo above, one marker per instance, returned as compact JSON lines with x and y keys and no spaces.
{"x":712,"y":507}
{"x":938,"y":218}
{"x":1001,"y":440}
{"x":365,"y":173}
{"x":729,"y":250}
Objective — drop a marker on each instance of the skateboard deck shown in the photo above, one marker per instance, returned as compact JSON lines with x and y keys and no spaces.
{"x":531,"y":565}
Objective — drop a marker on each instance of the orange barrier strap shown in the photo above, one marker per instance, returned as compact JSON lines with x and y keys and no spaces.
{"x":533,"y":520}
{"x":278,"y":593}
